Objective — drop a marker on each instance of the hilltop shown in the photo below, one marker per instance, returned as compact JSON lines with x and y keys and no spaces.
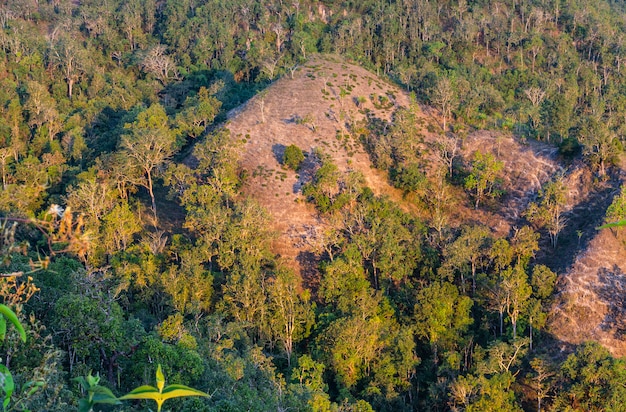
{"x":314,"y":108}
{"x":319,"y":105}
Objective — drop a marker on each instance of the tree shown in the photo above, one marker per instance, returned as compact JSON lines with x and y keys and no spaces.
{"x":293,"y":157}
{"x":600,"y":144}
{"x":466,"y":254}
{"x":616,"y":212}
{"x":447,"y":147}
{"x":442,"y":315}
{"x":42,"y":109}
{"x":291,"y":314}
{"x":159,"y":64}
{"x":149,"y":143}
{"x":67,"y":55}
{"x":540,"y":376}
{"x":590,"y":379}
{"x":514,"y":283}
{"x":198,"y":114}
{"x":444,"y":97}
{"x":484,"y":174}
{"x":548,"y":213}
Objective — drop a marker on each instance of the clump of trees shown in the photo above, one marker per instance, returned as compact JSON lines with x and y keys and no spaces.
{"x":117,"y":255}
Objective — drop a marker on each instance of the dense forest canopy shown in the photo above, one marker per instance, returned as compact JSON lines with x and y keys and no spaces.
{"x":121,"y":255}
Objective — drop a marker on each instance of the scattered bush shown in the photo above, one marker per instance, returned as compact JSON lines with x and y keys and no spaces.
{"x":293,"y":157}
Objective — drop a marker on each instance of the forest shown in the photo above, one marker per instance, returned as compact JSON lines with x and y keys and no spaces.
{"x":122,"y":259}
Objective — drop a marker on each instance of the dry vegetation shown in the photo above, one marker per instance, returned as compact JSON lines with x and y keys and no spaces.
{"x":310,"y":110}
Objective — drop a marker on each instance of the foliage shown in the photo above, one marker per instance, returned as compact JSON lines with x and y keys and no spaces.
{"x":106,"y":106}
{"x":548,"y":212}
{"x":96,"y":394}
{"x":161,"y":393}
{"x":293,"y":157}
{"x":484,"y":175}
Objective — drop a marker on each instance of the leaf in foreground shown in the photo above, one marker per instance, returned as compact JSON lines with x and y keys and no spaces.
{"x":163,"y":392}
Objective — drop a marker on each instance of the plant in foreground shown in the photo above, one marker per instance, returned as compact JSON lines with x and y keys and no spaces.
{"x":96,"y":394}
{"x":161,"y":393}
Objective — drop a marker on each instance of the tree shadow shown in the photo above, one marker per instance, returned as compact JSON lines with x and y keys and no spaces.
{"x":306,"y":172}
{"x":611,"y":289}
{"x":279,"y":152}
{"x":580,"y":229}
{"x":309,"y":269}
{"x":103,"y":134}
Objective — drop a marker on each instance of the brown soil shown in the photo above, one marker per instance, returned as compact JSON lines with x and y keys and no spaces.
{"x":591,"y":300}
{"x":527,"y":166}
{"x":314,"y":93}
{"x":590,"y":264}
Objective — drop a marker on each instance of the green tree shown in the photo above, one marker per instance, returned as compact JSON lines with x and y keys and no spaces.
{"x":601,"y":145}
{"x":198,"y":113}
{"x":484,"y":174}
{"x":466,"y":254}
{"x":291,"y":313}
{"x":149,"y":143}
{"x":548,"y":212}
{"x":514,"y":282}
{"x":293,"y":157}
{"x":442,"y":316}
{"x":590,"y":379}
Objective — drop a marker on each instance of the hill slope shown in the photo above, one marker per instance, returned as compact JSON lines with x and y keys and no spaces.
{"x":311,"y":111}
{"x":320,"y":105}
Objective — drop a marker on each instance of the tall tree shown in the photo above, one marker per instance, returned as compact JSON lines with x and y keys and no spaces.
{"x":68,"y":56}
{"x":291,"y":314}
{"x":484,"y":174}
{"x":442,"y":315}
{"x":548,"y":212}
{"x":149,"y":143}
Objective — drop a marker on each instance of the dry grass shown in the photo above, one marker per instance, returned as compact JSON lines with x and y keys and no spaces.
{"x":310,"y":111}
{"x":314,"y":96}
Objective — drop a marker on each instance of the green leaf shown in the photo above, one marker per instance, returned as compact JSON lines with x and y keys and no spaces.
{"x":169,"y":392}
{"x":176,"y":391}
{"x":12,"y":317}
{"x":619,"y":223}
{"x":84,"y":405}
{"x":142,"y":392}
{"x":102,"y":394}
{"x":3,"y":328}
{"x":160,"y":378}
{"x":93,"y":380}
{"x":8,"y":386}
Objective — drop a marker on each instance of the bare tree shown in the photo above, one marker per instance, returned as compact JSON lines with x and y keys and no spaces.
{"x":66,"y":55}
{"x":535,"y":95}
{"x":159,"y":64}
{"x":444,"y":97}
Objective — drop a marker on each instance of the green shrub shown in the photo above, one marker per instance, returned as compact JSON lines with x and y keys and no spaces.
{"x":293,"y":157}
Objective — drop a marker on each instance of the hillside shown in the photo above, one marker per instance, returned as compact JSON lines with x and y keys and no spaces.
{"x":437,"y":250}
{"x":307,"y":109}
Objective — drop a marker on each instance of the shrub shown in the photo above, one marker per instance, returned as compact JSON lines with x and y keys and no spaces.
{"x":293,"y":157}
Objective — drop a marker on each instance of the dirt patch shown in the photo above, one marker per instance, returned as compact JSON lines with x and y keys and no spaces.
{"x":527,"y":167}
{"x":591,"y":301}
{"x":315,"y":110}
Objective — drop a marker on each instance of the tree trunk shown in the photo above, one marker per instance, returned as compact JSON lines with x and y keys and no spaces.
{"x":70,"y":87}
{"x":150,"y":189}
{"x":514,"y":323}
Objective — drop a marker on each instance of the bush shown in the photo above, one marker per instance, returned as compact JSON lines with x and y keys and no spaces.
{"x":293,"y":157}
